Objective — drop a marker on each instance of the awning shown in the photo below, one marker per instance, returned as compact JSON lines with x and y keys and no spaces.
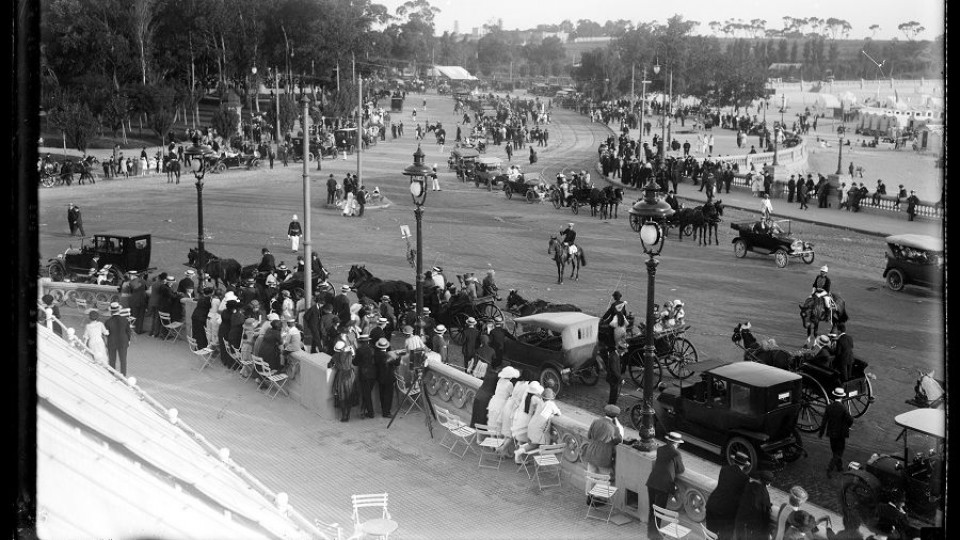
{"x":455,"y":73}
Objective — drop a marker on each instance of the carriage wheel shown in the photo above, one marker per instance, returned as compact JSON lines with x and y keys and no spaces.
{"x":687,"y":229}
{"x":490,"y":312}
{"x":859,"y":498}
{"x":508,"y":191}
{"x":635,"y":223}
{"x":47,"y":181}
{"x":781,"y":258}
{"x":740,"y":249}
{"x":635,"y":367}
{"x":740,"y":445}
{"x":56,"y":271}
{"x":555,"y":199}
{"x":813,"y":401}
{"x":531,"y":196}
{"x":681,"y":356}
{"x":808,"y":257}
{"x":858,"y":404}
{"x":550,"y":377}
{"x":575,"y":206}
{"x":456,"y":331}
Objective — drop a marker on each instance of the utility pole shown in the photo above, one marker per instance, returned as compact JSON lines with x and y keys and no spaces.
{"x":308,"y":259}
{"x":643,"y":98}
{"x":670,"y":119}
{"x":359,"y":128}
{"x":276,"y":92}
{"x":353,"y":68}
{"x":633,"y":89}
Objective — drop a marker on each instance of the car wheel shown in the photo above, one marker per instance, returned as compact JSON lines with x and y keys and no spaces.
{"x":589,"y":375}
{"x":858,"y":497}
{"x":740,"y":249}
{"x":550,"y":377}
{"x":56,"y":271}
{"x":895,"y":280}
{"x":781,"y":257}
{"x":795,"y":451}
{"x":531,"y":197}
{"x":808,"y":257}
{"x":220,"y":168}
{"x":740,"y":444}
{"x":575,"y":206}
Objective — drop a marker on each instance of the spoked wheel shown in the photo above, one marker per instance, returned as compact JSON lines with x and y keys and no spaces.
{"x":490,"y":312}
{"x":895,"y":280}
{"x":555,"y":199}
{"x":635,"y":366}
{"x":456,"y":333}
{"x":575,"y":206}
{"x":808,"y":257}
{"x":688,"y":229}
{"x":813,"y":402}
{"x":531,"y":196}
{"x":682,"y":355}
{"x":635,"y":223}
{"x":48,"y":180}
{"x":740,"y":249}
{"x":589,"y":374}
{"x":550,"y":377}
{"x":859,"y":497}
{"x":795,"y":451}
{"x":56,"y":271}
{"x":781,"y":257}
{"x":740,"y":445}
{"x":859,"y":403}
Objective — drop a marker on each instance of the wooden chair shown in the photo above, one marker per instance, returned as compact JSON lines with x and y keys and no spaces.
{"x":380,"y":527}
{"x":600,"y":495}
{"x":707,"y":533}
{"x":204,"y":354}
{"x":174,"y":328}
{"x":546,"y":464}
{"x":668,"y":523}
{"x":490,"y":444}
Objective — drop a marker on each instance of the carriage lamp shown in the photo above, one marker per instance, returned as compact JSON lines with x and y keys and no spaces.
{"x":418,"y":191}
{"x":651,"y":212}
{"x":198,"y":163}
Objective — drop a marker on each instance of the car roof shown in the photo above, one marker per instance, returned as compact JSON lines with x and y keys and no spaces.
{"x":931,"y":422}
{"x":122,"y":233}
{"x":754,"y":374}
{"x":916,"y":241}
{"x":557,"y":320}
{"x":490,"y":160}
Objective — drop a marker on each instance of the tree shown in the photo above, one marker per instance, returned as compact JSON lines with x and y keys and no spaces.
{"x":837,"y":27}
{"x":142,"y":27}
{"x":225,"y":120}
{"x":116,"y":111}
{"x":782,"y":55}
{"x":75,"y":121}
{"x":715,"y":27}
{"x":588,"y":28}
{"x":793,"y":52}
{"x":911,"y":29}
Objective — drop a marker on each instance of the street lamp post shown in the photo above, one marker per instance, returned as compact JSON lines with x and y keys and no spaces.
{"x":256,"y":89}
{"x":307,"y":253}
{"x":663,"y":111}
{"x":651,"y":212}
{"x":198,"y":160}
{"x":840,"y":131}
{"x":418,"y":191}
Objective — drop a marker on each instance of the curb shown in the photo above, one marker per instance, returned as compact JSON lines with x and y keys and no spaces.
{"x":385,"y":204}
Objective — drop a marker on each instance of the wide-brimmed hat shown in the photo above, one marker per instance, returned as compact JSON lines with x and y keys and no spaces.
{"x":824,"y":268}
{"x":839,"y":392}
{"x":115,"y":308}
{"x":674,"y":437}
{"x":509,"y":372}
{"x":440,"y":329}
{"x":746,"y":326}
{"x":535,"y":388}
{"x":345,"y":288}
{"x":549,"y":394}
{"x":382,"y":320}
{"x":382,"y":343}
{"x":612,"y":411}
{"x":364,"y":337}
{"x":282,"y":266}
{"x":823,"y":340}
{"x":190,"y":272}
{"x":471,"y":321}
{"x":273,"y":317}
{"x":133,"y":273}
{"x":741,"y":459}
{"x":408,"y":330}
{"x":339,"y":346}
{"x":678,"y":302}
{"x":171,"y":278}
{"x":385,"y":297}
{"x":437,"y":269}
{"x":798,"y":495}
{"x":426,"y":310}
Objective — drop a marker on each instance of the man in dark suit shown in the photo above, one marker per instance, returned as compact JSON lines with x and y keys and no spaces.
{"x":170,"y":299}
{"x":385,"y":362}
{"x":843,"y":350}
{"x":836,"y":424}
{"x":662,"y":480}
{"x":153,"y":304}
{"x":380,"y":331}
{"x":498,"y":340}
{"x":267,"y":262}
{"x":119,"y":338}
{"x":137,"y":300}
{"x":311,"y":322}
{"x":724,"y":500}
{"x":341,"y":304}
{"x":368,"y":374}
{"x":198,"y":318}
{"x":187,"y":286}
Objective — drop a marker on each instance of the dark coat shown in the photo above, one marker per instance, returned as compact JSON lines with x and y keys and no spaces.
{"x":311,"y":322}
{"x":824,"y":282}
{"x":365,"y":362}
{"x":725,"y":499}
{"x":668,"y":465}
{"x":836,"y":421}
{"x":267,"y":263}
{"x":482,"y":398}
{"x":844,"y":352}
{"x":270,"y":348}
{"x":753,"y":512}
{"x":138,"y":293}
{"x":471,"y":337}
{"x":294,"y":229}
{"x":202,"y":311}
{"x":119,"y":328}
{"x":385,"y":364}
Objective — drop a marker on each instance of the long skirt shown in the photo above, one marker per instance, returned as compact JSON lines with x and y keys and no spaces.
{"x":345,"y":391}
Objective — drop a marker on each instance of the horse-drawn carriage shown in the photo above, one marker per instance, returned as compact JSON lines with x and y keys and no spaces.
{"x":772,"y":238}
{"x":674,"y":351}
{"x":818,"y":378}
{"x":461,"y":307}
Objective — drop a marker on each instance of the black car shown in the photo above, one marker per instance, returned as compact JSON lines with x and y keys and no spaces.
{"x":770,"y":238}
{"x":103,"y":260}
{"x":913,"y":259}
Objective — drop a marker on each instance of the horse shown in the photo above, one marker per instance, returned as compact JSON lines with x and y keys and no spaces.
{"x":562,"y":257}
{"x":709,"y":225}
{"x":524,"y":308}
{"x":764,"y":353}
{"x":226,"y":271}
{"x":814,"y":310}
{"x":374,"y":288}
{"x":928,"y":392}
{"x":613,"y":198}
{"x":597,"y":199}
{"x":172,"y":167}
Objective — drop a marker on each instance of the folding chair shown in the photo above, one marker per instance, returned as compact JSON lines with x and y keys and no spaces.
{"x":601,"y":494}
{"x":204,"y":353}
{"x":546,"y":463}
{"x":668,"y":523}
{"x":413,"y":398}
{"x":273,"y":378}
{"x":174,"y":328}
{"x":381,"y":526}
{"x":707,"y":533}
{"x":461,"y":433}
{"x":243,"y":365}
{"x":490,"y":445}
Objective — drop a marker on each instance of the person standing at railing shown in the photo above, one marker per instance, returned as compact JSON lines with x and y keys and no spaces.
{"x":118,"y":337}
{"x":93,"y":337}
{"x":912,"y":202}
{"x":49,"y":304}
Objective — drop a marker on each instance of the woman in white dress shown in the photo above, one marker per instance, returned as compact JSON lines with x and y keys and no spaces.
{"x":510,"y":408}
{"x":94,"y":337}
{"x":350,"y":205}
{"x":500,"y":395}
{"x":539,"y":426}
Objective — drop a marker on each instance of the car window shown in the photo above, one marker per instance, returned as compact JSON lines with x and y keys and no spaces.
{"x":739,"y":398}
{"x":719,"y":394}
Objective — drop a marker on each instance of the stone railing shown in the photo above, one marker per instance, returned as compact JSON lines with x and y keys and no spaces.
{"x":66,"y":293}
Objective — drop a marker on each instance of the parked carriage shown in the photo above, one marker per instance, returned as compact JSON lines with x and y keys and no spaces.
{"x":818,"y":380}
{"x":674,"y":351}
{"x":460,"y":308}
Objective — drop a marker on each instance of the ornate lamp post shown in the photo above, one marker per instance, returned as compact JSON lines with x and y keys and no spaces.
{"x":418,"y":191}
{"x":651,"y":213}
{"x":663,"y":127}
{"x":307,"y":252}
{"x":840,"y":131}
{"x":198,"y":163}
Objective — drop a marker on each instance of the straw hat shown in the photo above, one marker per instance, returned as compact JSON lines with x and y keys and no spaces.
{"x":839,"y":392}
{"x":440,"y":329}
{"x":339,"y":346}
{"x":674,"y":437}
{"x":382,"y":343}
{"x":823,"y":340}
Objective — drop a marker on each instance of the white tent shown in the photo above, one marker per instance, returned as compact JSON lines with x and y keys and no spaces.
{"x":454,"y":73}
{"x":848,"y":99}
{"x":828,"y":101}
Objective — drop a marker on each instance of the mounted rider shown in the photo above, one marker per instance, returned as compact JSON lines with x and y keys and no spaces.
{"x":569,"y":240}
{"x":821,"y":291}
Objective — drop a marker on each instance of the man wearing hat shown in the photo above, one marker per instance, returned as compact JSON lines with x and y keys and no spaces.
{"x":386,"y":311}
{"x":282,"y":272}
{"x":912,"y":202}
{"x":490,"y":286}
{"x":843,"y":348}
{"x":822,"y":281}
{"x":380,"y":330}
{"x":824,"y":351}
{"x":722,"y":504}
{"x":608,"y":315}
{"x":663,"y":478}
{"x":136,"y":299}
{"x":341,"y":304}
{"x":901,"y":194}
{"x":753,"y":511}
{"x":498,"y":340}
{"x":118,"y":339}
{"x":311,"y":324}
{"x":792,"y":522}
{"x":836,"y":424}
{"x":367,"y":368}
{"x":187,"y":286}
{"x":429,"y":323}
{"x":605,"y":434}
{"x":385,"y":363}
{"x":153,"y":303}
{"x":471,"y":338}
{"x":437,"y":342}
{"x":436,"y":274}
{"x":267,"y":261}
{"x":198,"y":319}
{"x":294,"y":232}
{"x":331,"y":190}
{"x":170,"y":299}
{"x":292,"y":337}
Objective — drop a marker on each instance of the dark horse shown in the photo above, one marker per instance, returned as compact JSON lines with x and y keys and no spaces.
{"x":225,"y":271}
{"x":524,"y":308}
{"x":172,"y":168}
{"x":814,"y":310}
{"x":709,"y":224}
{"x":613,"y":196}
{"x":374,"y":288}
{"x":753,"y":351}
{"x":697,"y":219}
{"x":562,"y":257}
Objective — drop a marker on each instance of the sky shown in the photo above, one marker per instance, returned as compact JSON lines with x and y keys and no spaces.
{"x":524,"y":14}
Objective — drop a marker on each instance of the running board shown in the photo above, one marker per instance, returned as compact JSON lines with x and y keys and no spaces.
{"x":701,"y":443}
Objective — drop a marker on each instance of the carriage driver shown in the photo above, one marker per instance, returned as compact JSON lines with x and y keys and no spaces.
{"x":569,"y":239}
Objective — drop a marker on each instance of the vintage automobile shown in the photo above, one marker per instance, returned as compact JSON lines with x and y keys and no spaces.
{"x":777,"y":241}
{"x":488,"y":172}
{"x":463,"y":160}
{"x":905,"y":492}
{"x":556,"y":347}
{"x":914,"y":259}
{"x":231,"y":160}
{"x":104,"y":260}
{"x":738,"y":407}
{"x":529,"y":186}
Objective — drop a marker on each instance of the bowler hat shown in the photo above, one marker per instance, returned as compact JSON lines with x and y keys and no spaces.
{"x":408,"y":330}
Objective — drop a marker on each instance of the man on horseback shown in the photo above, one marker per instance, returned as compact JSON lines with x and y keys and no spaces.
{"x":569,"y":240}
